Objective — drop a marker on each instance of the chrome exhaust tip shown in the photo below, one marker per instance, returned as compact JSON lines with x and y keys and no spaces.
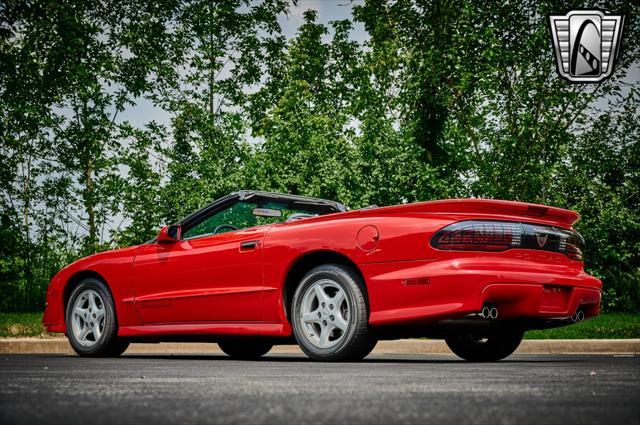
{"x":578,"y":316}
{"x":493,"y":313}
{"x":489,"y":312}
{"x":485,"y":312}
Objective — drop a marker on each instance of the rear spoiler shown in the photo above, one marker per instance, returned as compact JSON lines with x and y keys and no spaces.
{"x":513,"y":209}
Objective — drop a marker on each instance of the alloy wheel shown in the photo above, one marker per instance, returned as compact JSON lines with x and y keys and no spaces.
{"x":325,"y":313}
{"x":88,"y":318}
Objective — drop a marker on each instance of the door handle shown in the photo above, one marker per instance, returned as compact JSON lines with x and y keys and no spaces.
{"x":247,"y":245}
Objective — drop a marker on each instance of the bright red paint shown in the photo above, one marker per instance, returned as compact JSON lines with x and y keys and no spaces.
{"x":211,"y":285}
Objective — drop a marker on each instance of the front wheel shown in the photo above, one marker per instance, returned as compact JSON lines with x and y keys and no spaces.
{"x":92,"y":326}
{"x":330,"y":315}
{"x":480,"y":349}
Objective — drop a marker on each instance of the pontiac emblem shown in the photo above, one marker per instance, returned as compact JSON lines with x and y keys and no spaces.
{"x":586,"y":44}
{"x":542,"y":239}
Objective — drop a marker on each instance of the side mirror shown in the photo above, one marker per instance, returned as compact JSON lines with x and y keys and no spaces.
{"x":169,"y":234}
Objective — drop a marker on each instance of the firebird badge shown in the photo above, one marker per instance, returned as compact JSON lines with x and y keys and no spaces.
{"x":586,"y":44}
{"x":542,"y":239}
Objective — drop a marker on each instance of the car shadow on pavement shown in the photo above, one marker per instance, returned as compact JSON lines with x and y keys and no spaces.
{"x":387,"y":359}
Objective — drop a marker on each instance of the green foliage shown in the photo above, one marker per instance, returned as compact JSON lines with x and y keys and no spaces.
{"x":444,"y":99}
{"x":605,"y":326}
{"x":21,"y":325}
{"x":304,"y":149}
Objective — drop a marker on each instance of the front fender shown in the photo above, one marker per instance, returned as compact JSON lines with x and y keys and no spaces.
{"x":113,"y":267}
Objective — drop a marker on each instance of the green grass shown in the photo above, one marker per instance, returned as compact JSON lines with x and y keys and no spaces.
{"x":21,"y":324}
{"x":613,"y":325}
{"x":606,"y":326}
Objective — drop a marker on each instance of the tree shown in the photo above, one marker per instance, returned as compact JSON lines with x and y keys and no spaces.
{"x":212,"y":57}
{"x":600,"y":178}
{"x":62,"y":86}
{"x":477,"y":89}
{"x":445,"y":99}
{"x":305,"y":148}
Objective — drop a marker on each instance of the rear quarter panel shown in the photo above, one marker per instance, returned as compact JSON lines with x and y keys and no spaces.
{"x":401,"y":239}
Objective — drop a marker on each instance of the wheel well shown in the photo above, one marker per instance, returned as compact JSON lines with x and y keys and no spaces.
{"x":307,"y":262}
{"x":75,"y":279}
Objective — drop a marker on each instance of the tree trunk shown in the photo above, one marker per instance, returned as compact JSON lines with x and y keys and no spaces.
{"x":211,"y":73}
{"x":89,"y":204}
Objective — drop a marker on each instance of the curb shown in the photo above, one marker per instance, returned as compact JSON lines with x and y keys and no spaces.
{"x":402,"y":346}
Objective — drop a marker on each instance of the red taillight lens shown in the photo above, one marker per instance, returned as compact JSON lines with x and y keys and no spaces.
{"x":495,"y":236}
{"x":572,"y":245}
{"x":479,"y":236}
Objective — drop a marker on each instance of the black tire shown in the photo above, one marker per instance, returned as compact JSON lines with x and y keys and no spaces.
{"x":493,"y":348}
{"x":108,"y":344}
{"x":116,"y":348}
{"x":245,"y":348}
{"x":358,"y":340}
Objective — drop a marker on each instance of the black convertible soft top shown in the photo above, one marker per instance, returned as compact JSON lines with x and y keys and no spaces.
{"x":323,"y":206}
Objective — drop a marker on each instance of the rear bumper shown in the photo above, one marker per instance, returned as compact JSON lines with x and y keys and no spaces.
{"x":541,"y":301}
{"x":429,"y":291}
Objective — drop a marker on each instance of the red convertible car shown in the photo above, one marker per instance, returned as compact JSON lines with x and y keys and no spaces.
{"x":254,"y":269}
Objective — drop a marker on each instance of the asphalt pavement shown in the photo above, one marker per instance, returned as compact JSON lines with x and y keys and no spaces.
{"x":382,"y":389}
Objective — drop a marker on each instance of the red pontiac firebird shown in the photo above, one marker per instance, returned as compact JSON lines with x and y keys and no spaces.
{"x":254,"y":269}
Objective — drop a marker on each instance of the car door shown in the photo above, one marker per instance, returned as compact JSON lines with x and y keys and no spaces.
{"x":201,"y":277}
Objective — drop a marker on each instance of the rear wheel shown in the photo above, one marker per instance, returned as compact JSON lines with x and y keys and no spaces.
{"x":92,"y":326}
{"x":245,"y":348}
{"x":330,"y":315}
{"x":481,"y":349}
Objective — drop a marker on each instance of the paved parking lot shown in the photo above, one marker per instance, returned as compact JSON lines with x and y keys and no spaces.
{"x":418,"y":389}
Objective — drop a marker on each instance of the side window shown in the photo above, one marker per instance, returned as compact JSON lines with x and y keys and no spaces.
{"x":238,"y":216}
{"x":241,"y":215}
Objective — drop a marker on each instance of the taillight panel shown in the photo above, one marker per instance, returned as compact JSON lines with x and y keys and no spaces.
{"x":496,"y":236}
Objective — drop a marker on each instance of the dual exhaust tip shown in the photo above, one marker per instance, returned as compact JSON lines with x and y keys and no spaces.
{"x":489,"y":312}
{"x":578,"y":316}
